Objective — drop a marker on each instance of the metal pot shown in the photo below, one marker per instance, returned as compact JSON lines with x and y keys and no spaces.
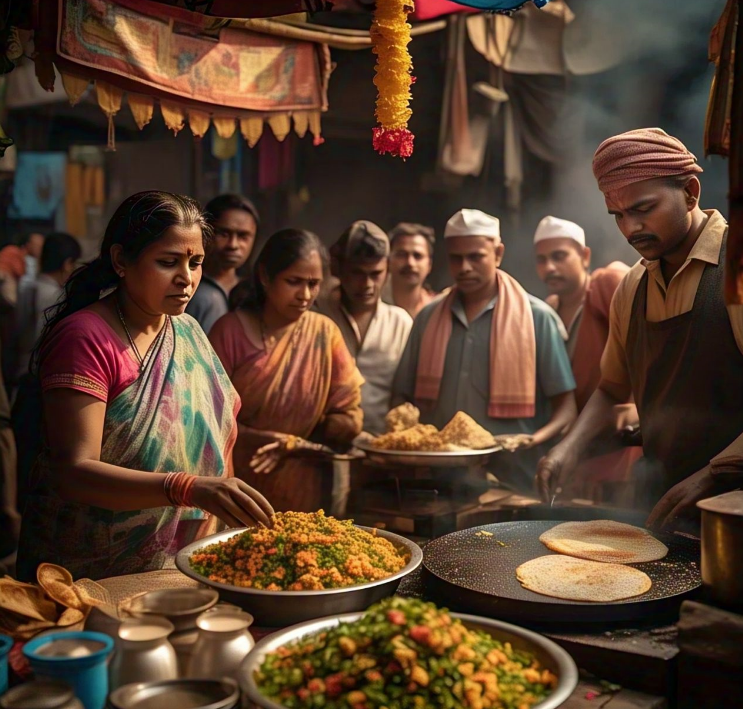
{"x":177,"y":694}
{"x":722,"y":548}
{"x":181,"y":606}
{"x":223,"y":643}
{"x":143,"y":653}
{"x":41,"y":694}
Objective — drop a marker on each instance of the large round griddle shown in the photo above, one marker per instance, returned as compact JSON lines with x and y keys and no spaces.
{"x":472,"y":572}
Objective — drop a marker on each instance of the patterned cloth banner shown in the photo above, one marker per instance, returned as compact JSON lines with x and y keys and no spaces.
{"x":176,"y":52}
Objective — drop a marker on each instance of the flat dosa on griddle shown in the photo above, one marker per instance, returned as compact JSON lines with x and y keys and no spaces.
{"x":604,"y":540}
{"x":579,"y":580}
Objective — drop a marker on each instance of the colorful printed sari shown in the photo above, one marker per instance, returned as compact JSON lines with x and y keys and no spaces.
{"x":305,"y":381}
{"x":178,"y":415}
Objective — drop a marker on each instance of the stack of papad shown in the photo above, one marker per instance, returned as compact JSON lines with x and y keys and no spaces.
{"x":604,"y":540}
{"x":579,"y":580}
{"x":57,"y":602}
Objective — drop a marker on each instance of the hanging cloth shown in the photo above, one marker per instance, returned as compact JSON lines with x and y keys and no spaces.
{"x":109,"y":99}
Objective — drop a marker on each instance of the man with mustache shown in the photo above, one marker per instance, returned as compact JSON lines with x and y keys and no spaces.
{"x":582,"y":299}
{"x":234,"y":220}
{"x":375,"y":332}
{"x":490,"y":349}
{"x":411,"y":260}
{"x":672,"y":342}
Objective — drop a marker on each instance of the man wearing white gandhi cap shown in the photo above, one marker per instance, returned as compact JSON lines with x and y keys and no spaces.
{"x":490,"y":349}
{"x":581,"y":298}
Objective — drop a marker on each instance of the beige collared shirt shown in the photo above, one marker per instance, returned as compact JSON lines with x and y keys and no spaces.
{"x":667,"y":300}
{"x":664,"y":300}
{"x":377,"y":355}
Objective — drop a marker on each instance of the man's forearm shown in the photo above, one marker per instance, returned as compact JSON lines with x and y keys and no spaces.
{"x":597,"y":419}
{"x":564,"y":411}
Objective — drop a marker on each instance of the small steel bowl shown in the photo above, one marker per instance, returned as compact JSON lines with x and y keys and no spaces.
{"x":180,"y":693}
{"x":181,"y":606}
{"x":277,"y":609}
{"x":550,"y":655}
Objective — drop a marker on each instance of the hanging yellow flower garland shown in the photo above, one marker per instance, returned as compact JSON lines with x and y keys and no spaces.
{"x":390,"y":33}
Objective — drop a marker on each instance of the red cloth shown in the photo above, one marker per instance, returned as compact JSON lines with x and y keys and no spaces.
{"x":13,"y":261}
{"x":594,"y":329}
{"x":513,"y":352}
{"x":429,"y":9}
{"x":643,"y":154}
{"x":84,"y":353}
{"x":589,"y":346}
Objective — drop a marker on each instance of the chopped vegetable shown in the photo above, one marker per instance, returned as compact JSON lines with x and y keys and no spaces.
{"x":403,"y":654}
{"x":303,"y":551}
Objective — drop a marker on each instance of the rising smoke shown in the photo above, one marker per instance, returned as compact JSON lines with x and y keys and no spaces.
{"x":661,"y":78}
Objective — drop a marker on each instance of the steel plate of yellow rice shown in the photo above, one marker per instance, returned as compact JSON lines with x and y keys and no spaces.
{"x":302,"y":552}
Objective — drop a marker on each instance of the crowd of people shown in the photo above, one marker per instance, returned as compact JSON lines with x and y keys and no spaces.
{"x":175,"y":387}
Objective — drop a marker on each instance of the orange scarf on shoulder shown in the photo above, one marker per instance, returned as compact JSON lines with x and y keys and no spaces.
{"x":513,"y":352}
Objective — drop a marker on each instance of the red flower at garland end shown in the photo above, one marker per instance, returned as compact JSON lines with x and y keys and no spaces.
{"x":390,"y":34}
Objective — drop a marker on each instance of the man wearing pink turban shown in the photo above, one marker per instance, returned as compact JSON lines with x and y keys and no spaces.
{"x":672,"y":342}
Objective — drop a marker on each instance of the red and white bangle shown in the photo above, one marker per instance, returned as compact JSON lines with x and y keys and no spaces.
{"x":178,"y":489}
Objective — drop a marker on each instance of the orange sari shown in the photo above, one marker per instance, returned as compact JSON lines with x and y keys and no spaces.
{"x":308,"y":379}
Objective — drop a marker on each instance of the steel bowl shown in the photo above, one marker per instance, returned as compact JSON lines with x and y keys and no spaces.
{"x":180,"y":693}
{"x":181,"y":606}
{"x":278,"y":609}
{"x":549,"y":655}
{"x":428,"y":459}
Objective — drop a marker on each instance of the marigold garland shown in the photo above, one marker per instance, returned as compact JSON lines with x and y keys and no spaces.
{"x":390,"y":33}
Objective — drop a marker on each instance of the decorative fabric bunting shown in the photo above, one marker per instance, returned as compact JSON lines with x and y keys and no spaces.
{"x":225,"y":127}
{"x":75,"y":87}
{"x":142,"y":108}
{"x":199,"y":122}
{"x":109,"y":99}
{"x":501,"y":7}
{"x":390,"y":34}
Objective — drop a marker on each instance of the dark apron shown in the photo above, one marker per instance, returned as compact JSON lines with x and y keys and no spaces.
{"x":687,"y":380}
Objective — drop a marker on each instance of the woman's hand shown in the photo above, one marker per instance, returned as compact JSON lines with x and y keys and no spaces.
{"x":233,"y":501}
{"x":269,"y":457}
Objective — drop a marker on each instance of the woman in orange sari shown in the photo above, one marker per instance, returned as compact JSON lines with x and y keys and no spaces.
{"x":298,"y":383}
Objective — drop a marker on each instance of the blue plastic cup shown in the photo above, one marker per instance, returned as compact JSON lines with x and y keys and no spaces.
{"x":86,"y":674}
{"x":5,"y":644}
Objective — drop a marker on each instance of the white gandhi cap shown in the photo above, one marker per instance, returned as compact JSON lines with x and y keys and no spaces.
{"x":473,"y":222}
{"x":554,"y":228}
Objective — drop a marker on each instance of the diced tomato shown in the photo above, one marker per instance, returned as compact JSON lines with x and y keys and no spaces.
{"x":334,"y":685}
{"x":316,"y":685}
{"x":396,"y":617}
{"x":303,"y":693}
{"x":421,"y":634}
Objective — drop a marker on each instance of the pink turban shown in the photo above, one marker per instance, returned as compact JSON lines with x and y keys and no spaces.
{"x":643,"y":154}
